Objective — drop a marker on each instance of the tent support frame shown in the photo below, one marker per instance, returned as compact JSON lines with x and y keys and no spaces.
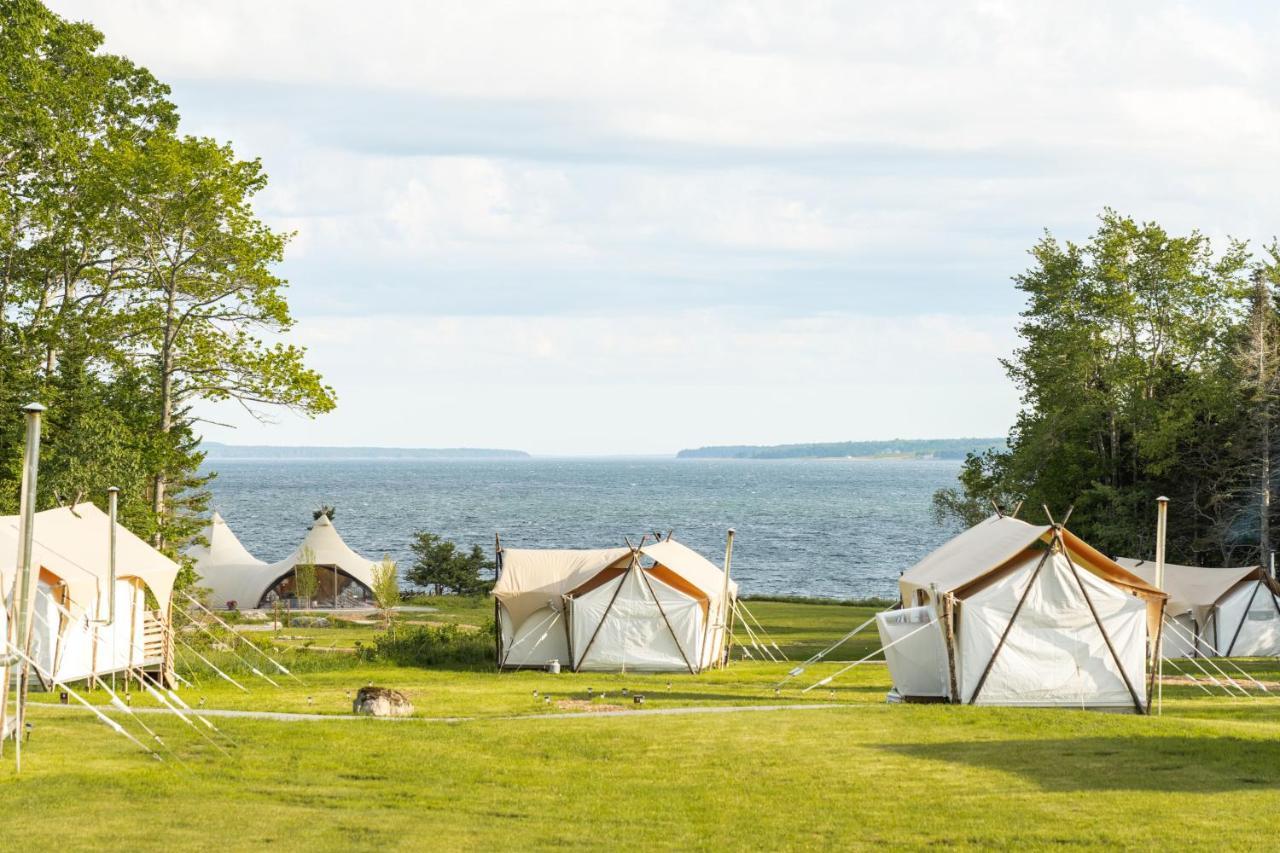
{"x":1243,"y":617}
{"x":1133,"y":694}
{"x":982,"y":680}
{"x":948,"y":617}
{"x":577,"y":663}
{"x":665,"y":620}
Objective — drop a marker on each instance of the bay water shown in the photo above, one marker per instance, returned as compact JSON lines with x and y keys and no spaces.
{"x":841,"y":528}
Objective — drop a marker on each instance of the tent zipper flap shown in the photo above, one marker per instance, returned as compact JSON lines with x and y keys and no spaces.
{"x":621,"y":580}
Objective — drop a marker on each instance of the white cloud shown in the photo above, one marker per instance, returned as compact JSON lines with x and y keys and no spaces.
{"x":650,"y":383}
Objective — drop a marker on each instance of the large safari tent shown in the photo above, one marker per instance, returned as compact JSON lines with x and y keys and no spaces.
{"x":1216,"y":611}
{"x":77,"y":633}
{"x":657,"y":607}
{"x":1011,"y":613}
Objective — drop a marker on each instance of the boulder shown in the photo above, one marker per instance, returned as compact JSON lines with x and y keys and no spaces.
{"x":381,"y":702}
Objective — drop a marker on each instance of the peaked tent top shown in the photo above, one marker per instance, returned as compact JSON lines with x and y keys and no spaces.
{"x":224,"y":547}
{"x":328,"y":549}
{"x":995,"y":541}
{"x":690,"y":565}
{"x":1192,"y":586}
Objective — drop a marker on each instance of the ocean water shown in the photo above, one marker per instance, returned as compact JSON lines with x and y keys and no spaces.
{"x":835,"y":528}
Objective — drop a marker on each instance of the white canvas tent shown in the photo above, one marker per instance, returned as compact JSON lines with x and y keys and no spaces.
{"x":232,"y":574}
{"x":72,"y":637}
{"x":1009,"y":613}
{"x":1232,"y":612}
{"x":660,"y":607}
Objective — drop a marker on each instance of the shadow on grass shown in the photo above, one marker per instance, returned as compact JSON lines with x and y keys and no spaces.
{"x":1171,"y":764}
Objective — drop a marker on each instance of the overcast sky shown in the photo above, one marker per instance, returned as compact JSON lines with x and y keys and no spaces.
{"x":634,"y":227}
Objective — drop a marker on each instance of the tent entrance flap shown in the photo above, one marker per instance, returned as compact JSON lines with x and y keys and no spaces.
{"x":636,"y":623}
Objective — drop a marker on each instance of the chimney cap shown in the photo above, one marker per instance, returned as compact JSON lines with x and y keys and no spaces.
{"x":33,"y":407}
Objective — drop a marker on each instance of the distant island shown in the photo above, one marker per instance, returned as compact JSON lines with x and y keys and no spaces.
{"x":928,"y":448}
{"x":217,"y":451}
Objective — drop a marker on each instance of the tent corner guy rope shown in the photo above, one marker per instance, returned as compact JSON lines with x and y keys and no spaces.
{"x":279,"y":666}
{"x":1185,"y":636}
{"x":825,"y":681}
{"x":799,"y":670}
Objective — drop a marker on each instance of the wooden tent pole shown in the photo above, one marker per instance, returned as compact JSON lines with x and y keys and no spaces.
{"x":667,"y":622}
{"x":1243,"y":617}
{"x":982,"y":680}
{"x":949,"y":614}
{"x":724,"y":603}
{"x":498,"y":658}
{"x":1137,"y":702}
{"x":635,"y":560}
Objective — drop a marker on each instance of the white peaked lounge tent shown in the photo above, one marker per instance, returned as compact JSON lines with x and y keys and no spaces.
{"x":226,"y":567}
{"x":659,"y":607}
{"x":1226,"y":611}
{"x":344,"y":578}
{"x":73,"y":637}
{"x":1009,"y":613}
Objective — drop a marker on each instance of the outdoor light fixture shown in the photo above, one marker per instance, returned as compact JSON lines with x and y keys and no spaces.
{"x":62,"y":697}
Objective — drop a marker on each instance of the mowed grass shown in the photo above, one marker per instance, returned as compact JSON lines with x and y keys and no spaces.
{"x":862,"y":774}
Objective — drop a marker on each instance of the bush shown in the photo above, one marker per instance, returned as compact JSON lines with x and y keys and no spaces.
{"x":433,"y":645}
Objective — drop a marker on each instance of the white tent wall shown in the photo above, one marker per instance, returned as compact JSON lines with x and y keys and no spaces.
{"x":1254,"y":632}
{"x":538,"y":641}
{"x":1177,"y":641}
{"x":1054,"y":653}
{"x":636,"y":622}
{"x":916,"y":655}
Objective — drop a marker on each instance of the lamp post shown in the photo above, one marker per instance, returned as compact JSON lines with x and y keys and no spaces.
{"x":1162,"y":526}
{"x":25,"y":593}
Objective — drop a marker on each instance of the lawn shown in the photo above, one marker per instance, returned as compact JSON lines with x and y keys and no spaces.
{"x":504,"y":774}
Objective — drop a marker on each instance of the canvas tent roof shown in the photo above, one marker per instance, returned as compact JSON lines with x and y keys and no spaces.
{"x":993,"y":543}
{"x":532,"y":577}
{"x":71,"y":542}
{"x":690,"y":565}
{"x":1192,"y":587}
{"x":326,"y":548}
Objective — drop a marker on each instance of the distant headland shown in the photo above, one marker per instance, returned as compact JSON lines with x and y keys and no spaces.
{"x":217,"y":451}
{"x":927,"y":448}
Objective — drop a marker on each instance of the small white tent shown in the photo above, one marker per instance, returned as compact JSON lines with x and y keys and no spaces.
{"x":233,"y":575}
{"x":1232,"y":612}
{"x":1009,"y":613}
{"x":660,"y":607}
{"x":73,"y":636}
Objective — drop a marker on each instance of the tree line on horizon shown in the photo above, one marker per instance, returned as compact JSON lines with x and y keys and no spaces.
{"x":1149,"y":365}
{"x":136,"y":281}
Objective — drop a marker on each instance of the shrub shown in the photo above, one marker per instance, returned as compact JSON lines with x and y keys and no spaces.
{"x":433,"y":645}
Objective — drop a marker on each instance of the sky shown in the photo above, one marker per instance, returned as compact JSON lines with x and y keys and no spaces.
{"x":607,"y":228}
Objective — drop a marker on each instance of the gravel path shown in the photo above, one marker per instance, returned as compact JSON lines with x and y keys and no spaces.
{"x":288,"y":717}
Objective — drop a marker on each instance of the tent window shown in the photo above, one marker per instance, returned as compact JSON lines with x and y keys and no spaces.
{"x":334,"y":588}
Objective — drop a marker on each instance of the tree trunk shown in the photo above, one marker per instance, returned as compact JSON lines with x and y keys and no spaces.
{"x":166,"y":409}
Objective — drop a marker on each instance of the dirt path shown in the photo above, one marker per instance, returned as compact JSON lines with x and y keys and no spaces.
{"x":289,"y":717}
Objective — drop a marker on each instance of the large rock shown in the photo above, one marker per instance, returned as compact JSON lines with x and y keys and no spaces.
{"x":381,"y":702}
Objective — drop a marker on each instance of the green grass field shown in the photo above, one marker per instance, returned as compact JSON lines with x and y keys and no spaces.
{"x":489,"y":763}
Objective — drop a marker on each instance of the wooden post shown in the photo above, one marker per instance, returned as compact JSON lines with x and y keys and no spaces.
{"x":724,"y":602}
{"x":1162,"y":523}
{"x":949,"y":615}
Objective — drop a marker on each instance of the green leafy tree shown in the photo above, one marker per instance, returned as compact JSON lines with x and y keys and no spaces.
{"x":440,"y":566}
{"x":305,"y":580}
{"x":1129,"y":392}
{"x":386,"y":588}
